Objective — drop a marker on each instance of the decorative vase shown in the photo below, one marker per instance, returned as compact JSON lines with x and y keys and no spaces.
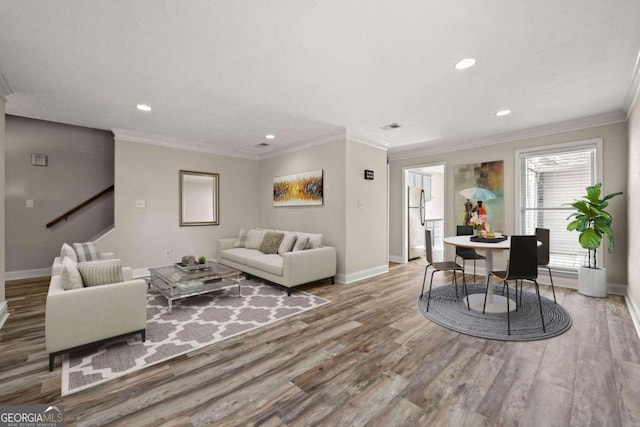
{"x":592,"y":282}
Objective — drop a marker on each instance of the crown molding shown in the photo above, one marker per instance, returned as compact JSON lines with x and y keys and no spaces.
{"x":177,"y":143}
{"x":200,"y":147}
{"x":634,"y":89}
{"x":333,"y":136}
{"x":5,"y":89}
{"x":367,"y":139}
{"x":444,"y":146}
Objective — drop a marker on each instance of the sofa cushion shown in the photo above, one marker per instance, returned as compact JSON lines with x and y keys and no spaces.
{"x":315,"y":240}
{"x":68,"y":251}
{"x":87,"y":251}
{"x":70,"y":277}
{"x":271,"y":263}
{"x":271,"y":242}
{"x":97,"y":273}
{"x":239,"y":255}
{"x":287,"y":243}
{"x":254,"y":239}
{"x":242,"y":239}
{"x":301,"y":243}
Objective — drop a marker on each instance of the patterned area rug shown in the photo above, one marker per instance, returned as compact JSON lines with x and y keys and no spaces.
{"x":451,"y":312}
{"x":195,"y":322}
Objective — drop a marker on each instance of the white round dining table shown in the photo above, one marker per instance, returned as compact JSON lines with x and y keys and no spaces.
{"x":495,"y":303}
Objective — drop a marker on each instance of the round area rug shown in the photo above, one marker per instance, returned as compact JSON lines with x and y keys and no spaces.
{"x":451,"y":312}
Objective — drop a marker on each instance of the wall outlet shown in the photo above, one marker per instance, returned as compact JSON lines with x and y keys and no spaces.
{"x":167,"y":252}
{"x":139,"y":203}
{"x":29,"y":203}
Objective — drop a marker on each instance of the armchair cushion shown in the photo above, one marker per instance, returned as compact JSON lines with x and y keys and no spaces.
{"x":97,"y":273}
{"x":87,"y":251}
{"x":68,"y":251}
{"x":70,"y":277}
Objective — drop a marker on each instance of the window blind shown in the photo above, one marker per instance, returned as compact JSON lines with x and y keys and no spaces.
{"x":548,"y":180}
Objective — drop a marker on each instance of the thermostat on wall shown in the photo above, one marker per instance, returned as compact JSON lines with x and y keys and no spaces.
{"x":38,"y":159}
{"x":368,"y":174}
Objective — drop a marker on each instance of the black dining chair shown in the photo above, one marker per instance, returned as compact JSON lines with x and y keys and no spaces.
{"x":523,"y":265}
{"x":542,"y":234}
{"x":467,"y":253}
{"x":441,"y":266}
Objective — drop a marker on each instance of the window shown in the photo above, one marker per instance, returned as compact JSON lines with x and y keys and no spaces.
{"x":547,"y":179}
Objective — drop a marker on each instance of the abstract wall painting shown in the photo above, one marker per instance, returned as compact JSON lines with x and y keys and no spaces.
{"x":302,"y":189}
{"x":479,"y":187}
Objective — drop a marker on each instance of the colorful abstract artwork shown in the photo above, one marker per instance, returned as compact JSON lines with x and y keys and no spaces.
{"x":479,"y":190}
{"x":302,"y":189}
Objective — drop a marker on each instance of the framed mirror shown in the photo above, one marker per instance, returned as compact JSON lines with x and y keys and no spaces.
{"x":199,"y":198}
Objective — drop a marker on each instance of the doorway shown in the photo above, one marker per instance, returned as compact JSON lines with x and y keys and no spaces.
{"x":424,"y":208}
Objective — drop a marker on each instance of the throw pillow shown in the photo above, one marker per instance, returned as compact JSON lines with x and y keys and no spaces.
{"x":287,"y":243}
{"x":254,"y":239}
{"x":68,"y":251}
{"x":271,"y":242}
{"x":69,"y":275}
{"x":301,"y":244}
{"x":242,"y":239}
{"x":101,"y":272}
{"x":87,"y":251}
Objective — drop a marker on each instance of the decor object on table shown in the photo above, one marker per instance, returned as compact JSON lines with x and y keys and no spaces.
{"x":199,"y":198}
{"x":202,"y":260}
{"x":480,"y":224}
{"x":303,"y":189}
{"x":592,"y":222}
{"x":479,"y":188}
{"x":197,"y":322}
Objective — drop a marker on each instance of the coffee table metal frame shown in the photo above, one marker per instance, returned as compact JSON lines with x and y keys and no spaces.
{"x":173,"y":283}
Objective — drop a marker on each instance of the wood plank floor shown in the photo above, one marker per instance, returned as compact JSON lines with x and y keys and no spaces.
{"x":369,"y":358}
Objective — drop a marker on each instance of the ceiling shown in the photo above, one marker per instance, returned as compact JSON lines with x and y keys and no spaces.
{"x":220,"y":75}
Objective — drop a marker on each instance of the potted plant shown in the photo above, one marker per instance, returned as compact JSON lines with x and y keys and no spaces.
{"x":202,"y":260}
{"x":593,"y":223}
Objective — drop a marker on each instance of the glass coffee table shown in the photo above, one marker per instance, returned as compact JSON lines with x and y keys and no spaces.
{"x":175,"y":282}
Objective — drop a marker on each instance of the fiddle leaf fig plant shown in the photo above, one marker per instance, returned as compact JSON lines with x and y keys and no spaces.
{"x":592,"y":221}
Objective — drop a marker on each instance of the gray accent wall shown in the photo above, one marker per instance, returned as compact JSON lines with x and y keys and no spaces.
{"x":615,"y":148}
{"x":80,"y":165}
{"x":633,"y":197}
{"x":146,"y":172}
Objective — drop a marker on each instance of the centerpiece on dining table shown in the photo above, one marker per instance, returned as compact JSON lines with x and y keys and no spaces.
{"x":480,"y":224}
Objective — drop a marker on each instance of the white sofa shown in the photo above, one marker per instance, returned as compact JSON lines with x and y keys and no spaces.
{"x":78,"y":317}
{"x":289,"y":269}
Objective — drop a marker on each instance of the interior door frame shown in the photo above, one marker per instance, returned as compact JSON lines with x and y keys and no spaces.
{"x":405,"y":208}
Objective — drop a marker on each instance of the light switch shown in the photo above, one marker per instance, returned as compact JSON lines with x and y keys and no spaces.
{"x":29,"y":203}
{"x":360,"y":204}
{"x":139,"y":203}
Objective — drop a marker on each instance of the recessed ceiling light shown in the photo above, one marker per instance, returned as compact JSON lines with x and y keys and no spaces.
{"x":463,"y":64}
{"x":270,"y":136}
{"x":503,"y":113}
{"x":143,"y":107}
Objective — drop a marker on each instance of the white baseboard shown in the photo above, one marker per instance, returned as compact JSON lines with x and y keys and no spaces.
{"x":4,"y":313}
{"x":362,"y":274}
{"x":634,"y":311}
{"x":395,"y":258}
{"x":27,"y":274}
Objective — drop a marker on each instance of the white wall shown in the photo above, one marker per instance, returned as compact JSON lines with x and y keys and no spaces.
{"x":633,"y":197}
{"x":366,"y":222}
{"x":615,"y":179}
{"x":3,"y":302}
{"x":328,"y":219}
{"x":80,"y":165}
{"x":151,"y":173}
